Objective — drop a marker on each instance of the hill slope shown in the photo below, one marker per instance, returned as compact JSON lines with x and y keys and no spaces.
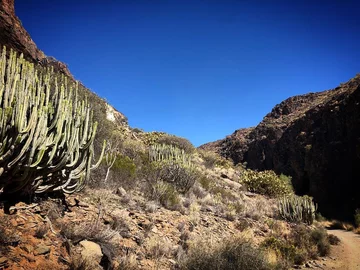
{"x":14,"y":36}
{"x":315,"y":138}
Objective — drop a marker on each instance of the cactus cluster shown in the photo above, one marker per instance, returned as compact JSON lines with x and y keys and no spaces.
{"x":297,"y":209}
{"x":174,"y":166}
{"x":46,"y":131}
{"x":169,"y":153}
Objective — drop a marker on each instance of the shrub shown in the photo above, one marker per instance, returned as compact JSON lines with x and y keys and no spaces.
{"x":333,"y":240}
{"x":284,"y":249}
{"x":357,"y":217}
{"x":302,"y":243}
{"x":297,"y":209}
{"x":166,"y":195}
{"x":174,"y":166}
{"x":177,"y":142}
{"x":158,"y":247}
{"x":124,"y":169}
{"x":206,"y":182}
{"x":267,"y":183}
{"x":320,"y":238}
{"x":8,"y":236}
{"x":235,"y":253}
{"x":90,"y":230}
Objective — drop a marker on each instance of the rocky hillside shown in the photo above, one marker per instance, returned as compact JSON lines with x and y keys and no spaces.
{"x":14,"y":36}
{"x":156,"y":202}
{"x":315,"y":138}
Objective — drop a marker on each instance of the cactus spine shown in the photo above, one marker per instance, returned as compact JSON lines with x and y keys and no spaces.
{"x":46,"y":132}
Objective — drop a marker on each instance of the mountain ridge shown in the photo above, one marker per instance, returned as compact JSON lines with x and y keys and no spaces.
{"x":284,"y":141}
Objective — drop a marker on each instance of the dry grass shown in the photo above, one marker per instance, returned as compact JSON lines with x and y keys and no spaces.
{"x":258,"y":208}
{"x":8,"y":236}
{"x":127,"y":262}
{"x":158,"y":247}
{"x":340,"y":225}
{"x":236,"y":253}
{"x":90,"y":230}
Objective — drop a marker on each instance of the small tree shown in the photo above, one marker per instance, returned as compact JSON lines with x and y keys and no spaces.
{"x":112,"y":153}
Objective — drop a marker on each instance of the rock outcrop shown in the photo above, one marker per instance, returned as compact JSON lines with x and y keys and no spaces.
{"x":315,"y":138}
{"x":13,"y":35}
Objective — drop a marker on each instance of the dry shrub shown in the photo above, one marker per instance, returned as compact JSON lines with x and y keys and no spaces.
{"x":236,"y":253}
{"x":89,"y":230}
{"x":333,"y":240}
{"x":41,"y":231}
{"x":167,"y":195}
{"x":340,"y":225}
{"x":258,"y":208}
{"x":8,"y":236}
{"x":121,"y":225}
{"x":206,"y":182}
{"x":302,"y":244}
{"x":158,"y":247}
{"x":151,"y":207}
{"x":127,"y":262}
{"x":77,"y":262}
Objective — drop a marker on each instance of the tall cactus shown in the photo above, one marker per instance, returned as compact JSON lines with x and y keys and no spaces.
{"x":46,"y":132}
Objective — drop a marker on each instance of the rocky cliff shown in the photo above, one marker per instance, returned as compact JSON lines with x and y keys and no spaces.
{"x":315,"y":138}
{"x":14,"y":36}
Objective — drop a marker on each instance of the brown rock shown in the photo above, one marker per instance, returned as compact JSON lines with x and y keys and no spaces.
{"x":121,"y":192}
{"x":91,"y":251}
{"x":41,"y":250}
{"x":27,"y":248}
{"x":3,"y":260}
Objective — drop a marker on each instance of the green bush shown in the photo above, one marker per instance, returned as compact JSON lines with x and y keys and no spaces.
{"x":231,"y":254}
{"x":124,"y":171}
{"x":267,"y":183}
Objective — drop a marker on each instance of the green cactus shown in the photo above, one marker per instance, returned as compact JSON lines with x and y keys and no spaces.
{"x":297,"y":209}
{"x":174,"y":165}
{"x":46,"y":132}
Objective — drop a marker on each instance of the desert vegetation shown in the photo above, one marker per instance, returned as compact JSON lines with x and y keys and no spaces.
{"x":153,"y":200}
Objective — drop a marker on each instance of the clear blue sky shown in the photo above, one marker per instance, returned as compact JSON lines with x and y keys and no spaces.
{"x":198,"y":69}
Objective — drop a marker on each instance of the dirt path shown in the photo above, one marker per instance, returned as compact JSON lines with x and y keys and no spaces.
{"x":345,"y":256}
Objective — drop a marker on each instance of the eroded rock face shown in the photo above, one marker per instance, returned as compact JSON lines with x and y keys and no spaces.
{"x":13,"y":35}
{"x":315,"y":138}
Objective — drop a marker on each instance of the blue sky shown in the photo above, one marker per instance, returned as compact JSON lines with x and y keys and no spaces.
{"x":198,"y":69}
